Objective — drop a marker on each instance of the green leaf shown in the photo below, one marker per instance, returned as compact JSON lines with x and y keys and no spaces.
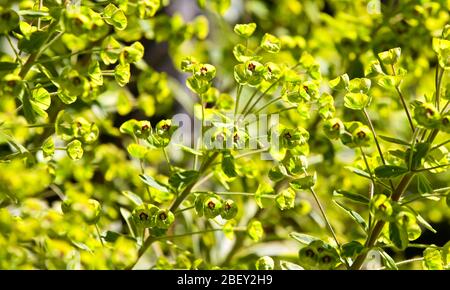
{"x":270,"y":43}
{"x":303,"y":238}
{"x":263,"y":189}
{"x":286,"y":199}
{"x":423,"y":184}
{"x":389,"y":263}
{"x":242,"y":53}
{"x":132,"y":53}
{"x":358,"y":171}
{"x":133,"y":197}
{"x":122,"y":74}
{"x":394,"y":140}
{"x":245,"y":30}
{"x":432,"y":259}
{"x":356,"y":101}
{"x":137,"y":151}
{"x":111,"y":236}
{"x":48,"y":147}
{"x":67,"y":98}
{"x":115,"y":17}
{"x":7,"y":66}
{"x":352,"y":249}
{"x":285,"y":265}
{"x":110,"y":50}
{"x":356,"y":197}
{"x":40,"y":101}
{"x":354,"y":215}
{"x":359,"y":85}
{"x":181,"y":179}
{"x":189,"y":150}
{"x":129,"y":220}
{"x":9,"y":20}
{"x":398,"y":235}
{"x":95,"y":73}
{"x":442,"y":49}
{"x":390,"y":171}
{"x":198,"y":86}
{"x":228,"y":164}
{"x":153,"y":183}
{"x":255,"y":230}
{"x":420,"y":152}
{"x":340,"y":83}
{"x":265,"y":263}
{"x":423,"y":222}
{"x":34,"y":42}
{"x":391,"y":56}
{"x":75,"y":150}
{"x":304,"y":182}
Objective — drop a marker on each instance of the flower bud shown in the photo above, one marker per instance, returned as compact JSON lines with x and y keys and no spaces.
{"x":333,"y":128}
{"x":381,"y":207}
{"x":445,"y":123}
{"x":427,"y":115}
{"x":229,"y":209}
{"x":163,"y":219}
{"x":205,"y":72}
{"x":143,"y":215}
{"x":265,"y":263}
{"x":212,"y":206}
{"x":362,"y":136}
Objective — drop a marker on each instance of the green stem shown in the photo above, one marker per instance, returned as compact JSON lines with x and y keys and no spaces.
{"x":322,"y":211}
{"x":438,"y":79}
{"x":424,"y":196}
{"x":405,"y":262}
{"x":439,"y":145}
{"x":184,"y":209}
{"x":238,"y":97}
{"x":402,"y":99}
{"x":374,"y":234}
{"x":178,"y":201}
{"x":431,"y":168}
{"x":375,"y":137}
{"x":266,"y":105}
{"x":372,"y":183}
{"x":99,"y":235}
{"x":166,"y":156}
{"x":249,"y":100}
{"x":13,"y":48}
{"x":260,"y":97}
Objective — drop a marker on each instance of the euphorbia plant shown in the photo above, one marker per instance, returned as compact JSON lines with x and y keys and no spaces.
{"x":106,"y":181}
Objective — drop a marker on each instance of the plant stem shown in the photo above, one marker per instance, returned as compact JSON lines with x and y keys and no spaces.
{"x":166,"y":156}
{"x":438,"y":79}
{"x":330,"y":228}
{"x":373,"y":236}
{"x":249,"y":100}
{"x":177,"y":202}
{"x":372,"y":183}
{"x":402,"y":99}
{"x":404,"y":262}
{"x":366,"y":114}
{"x":184,"y":209}
{"x":423,"y":197}
{"x":99,"y":235}
{"x":39,"y":18}
{"x":439,"y":145}
{"x":261,"y":96}
{"x":266,"y":105}
{"x":238,"y":97}
{"x":13,"y":48}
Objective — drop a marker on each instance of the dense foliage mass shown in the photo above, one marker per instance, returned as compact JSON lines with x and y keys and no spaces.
{"x":92,"y":175}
